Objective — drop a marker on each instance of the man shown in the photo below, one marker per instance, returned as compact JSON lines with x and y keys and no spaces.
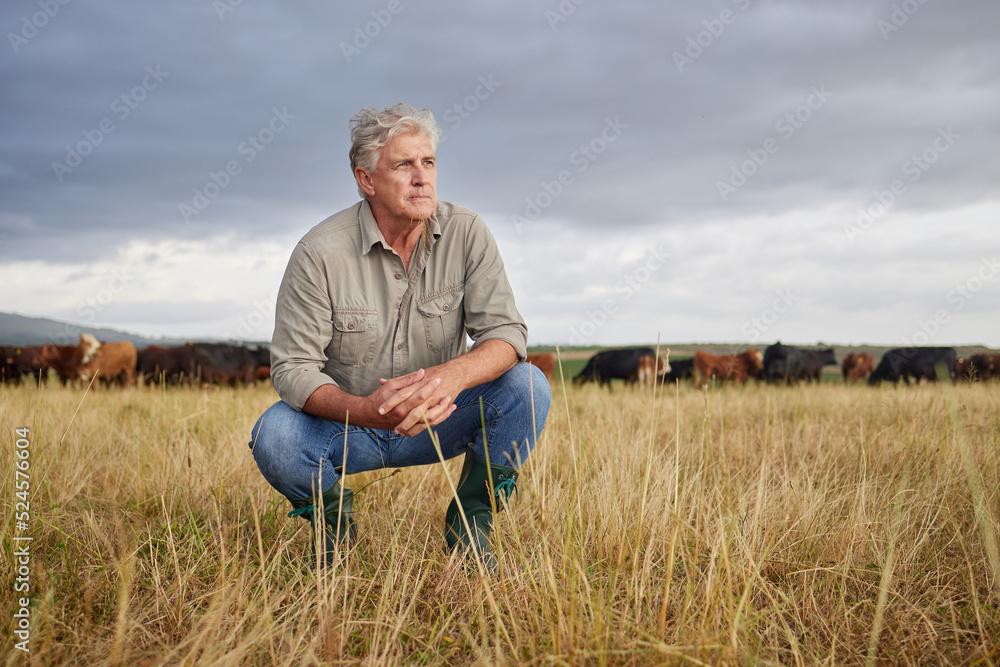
{"x":369,"y":346}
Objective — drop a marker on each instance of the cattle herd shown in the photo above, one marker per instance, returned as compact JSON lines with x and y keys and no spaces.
{"x":120,"y":363}
{"x":785,"y":364}
{"x":217,"y":363}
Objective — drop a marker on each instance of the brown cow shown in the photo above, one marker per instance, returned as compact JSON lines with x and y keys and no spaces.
{"x":112,"y":361}
{"x":734,"y":367}
{"x":546,"y":363}
{"x":857,"y":366}
{"x":63,"y":359}
{"x":651,"y":368}
{"x":983,"y":366}
{"x":18,"y":361}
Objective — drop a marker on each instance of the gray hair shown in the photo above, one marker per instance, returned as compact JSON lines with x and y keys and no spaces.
{"x":372,"y":129}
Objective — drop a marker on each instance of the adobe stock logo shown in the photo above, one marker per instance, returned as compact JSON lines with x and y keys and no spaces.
{"x":585,"y":155}
{"x":899,"y":17}
{"x":250,"y":148}
{"x":122,"y":106}
{"x":363,"y":35}
{"x":958,"y":297}
{"x":30,"y":27}
{"x":624,"y":289}
{"x":756,"y":326}
{"x":915,"y":167}
{"x":457,"y":113}
{"x":698,"y":43}
{"x":786,"y":126}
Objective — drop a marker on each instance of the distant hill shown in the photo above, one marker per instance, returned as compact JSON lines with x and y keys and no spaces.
{"x":20,"y":330}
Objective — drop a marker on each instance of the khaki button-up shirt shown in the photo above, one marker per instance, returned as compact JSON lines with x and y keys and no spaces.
{"x":348,"y":313}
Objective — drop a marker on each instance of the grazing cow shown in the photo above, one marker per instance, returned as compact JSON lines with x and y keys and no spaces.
{"x":546,"y":363}
{"x":262,"y":359}
{"x":963,"y":369}
{"x":218,"y":363}
{"x":63,"y":359}
{"x":170,"y":365}
{"x":111,"y":361}
{"x":650,"y":369}
{"x":808,"y":364}
{"x":914,"y":363}
{"x":620,"y":364}
{"x":775,"y":368}
{"x":8,"y":372}
{"x":679,"y":370}
{"x":857,"y":366}
{"x":20,"y":361}
{"x":262,"y":374}
{"x":983,"y":366}
{"x":734,"y":367}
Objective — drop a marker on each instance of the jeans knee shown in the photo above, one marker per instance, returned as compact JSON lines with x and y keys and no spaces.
{"x":526,"y":390}
{"x":280,"y":443}
{"x":531,"y":389}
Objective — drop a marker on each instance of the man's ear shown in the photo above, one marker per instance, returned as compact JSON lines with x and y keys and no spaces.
{"x":365,"y":181}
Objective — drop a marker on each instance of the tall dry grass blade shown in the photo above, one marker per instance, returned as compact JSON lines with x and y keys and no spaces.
{"x":125,"y":569}
{"x":477,"y":555}
{"x":77,"y":411}
{"x":888,"y":567}
{"x":653,"y":412}
{"x":984,"y":517}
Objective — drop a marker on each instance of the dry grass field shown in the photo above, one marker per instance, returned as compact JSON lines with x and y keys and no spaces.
{"x":831,"y":524}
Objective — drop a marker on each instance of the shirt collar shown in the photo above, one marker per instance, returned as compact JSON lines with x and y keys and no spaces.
{"x":371,"y":234}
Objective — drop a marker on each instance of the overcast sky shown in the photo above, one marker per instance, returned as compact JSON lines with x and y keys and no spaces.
{"x":730,"y":171}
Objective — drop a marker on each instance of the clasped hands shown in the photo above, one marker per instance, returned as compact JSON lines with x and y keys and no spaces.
{"x":410,"y":403}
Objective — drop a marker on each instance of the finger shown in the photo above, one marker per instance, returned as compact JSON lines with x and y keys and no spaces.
{"x":400,"y":389}
{"x":403,"y":380}
{"x":446,"y":411}
{"x":436,"y":414}
{"x":419,"y":393}
{"x":410,"y":378}
{"x":425,"y":416}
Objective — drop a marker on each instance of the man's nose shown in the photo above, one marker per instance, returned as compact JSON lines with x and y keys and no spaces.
{"x":421,"y":174}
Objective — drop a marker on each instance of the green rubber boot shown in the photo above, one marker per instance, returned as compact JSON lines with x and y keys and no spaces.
{"x":340,"y":533}
{"x":478,"y":498}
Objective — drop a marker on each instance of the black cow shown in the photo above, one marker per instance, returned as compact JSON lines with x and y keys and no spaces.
{"x":679,"y":370}
{"x":914,"y":363}
{"x":775,"y":362}
{"x":218,"y":363}
{"x":262,"y":357}
{"x":620,"y":364}
{"x":171,"y":365}
{"x":808,"y":364}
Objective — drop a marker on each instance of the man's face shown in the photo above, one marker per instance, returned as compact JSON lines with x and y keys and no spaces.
{"x":405,"y":184}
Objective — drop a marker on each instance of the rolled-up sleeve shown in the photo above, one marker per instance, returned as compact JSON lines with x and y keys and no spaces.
{"x":490,"y":312}
{"x":303,"y":328}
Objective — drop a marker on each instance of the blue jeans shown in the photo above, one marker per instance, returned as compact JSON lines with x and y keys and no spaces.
{"x":291,"y":447}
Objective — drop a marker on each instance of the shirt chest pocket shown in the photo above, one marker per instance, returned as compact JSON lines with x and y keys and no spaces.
{"x":442,"y":318}
{"x":355,"y":334}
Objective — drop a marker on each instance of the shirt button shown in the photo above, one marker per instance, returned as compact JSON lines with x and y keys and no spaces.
{"x":399,"y":347}
{"x":399,"y":276}
{"x":447,"y":307}
{"x":350,"y":325}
